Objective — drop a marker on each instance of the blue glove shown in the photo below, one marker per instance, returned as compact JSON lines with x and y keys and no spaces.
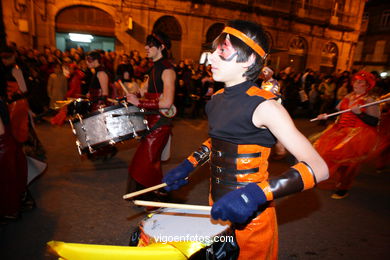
{"x":175,"y":178}
{"x":239,"y":205}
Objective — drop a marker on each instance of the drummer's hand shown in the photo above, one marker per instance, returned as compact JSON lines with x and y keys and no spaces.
{"x":131,"y":98}
{"x":356,"y":109}
{"x":239,"y":205}
{"x":176,"y":177}
{"x":322,"y":116}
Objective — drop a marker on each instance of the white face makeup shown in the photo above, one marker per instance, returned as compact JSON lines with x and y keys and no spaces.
{"x":224,"y":64}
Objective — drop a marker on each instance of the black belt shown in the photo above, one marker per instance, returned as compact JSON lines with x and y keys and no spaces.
{"x":231,"y":171}
{"x":232,"y":183}
{"x":218,"y":153}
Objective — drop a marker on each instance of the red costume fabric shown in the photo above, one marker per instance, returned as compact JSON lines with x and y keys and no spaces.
{"x":382,"y":150}
{"x":13,"y":174}
{"x":18,"y":110}
{"x":145,"y":168}
{"x":345,"y":144}
{"x":74,"y":85}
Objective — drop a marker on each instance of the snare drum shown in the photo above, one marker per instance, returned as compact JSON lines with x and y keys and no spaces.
{"x":107,"y":126}
{"x":79,"y":106}
{"x":216,"y":240}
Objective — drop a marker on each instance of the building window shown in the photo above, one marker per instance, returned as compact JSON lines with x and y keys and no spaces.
{"x":385,"y":19}
{"x":297,"y":53}
{"x":298,"y":46}
{"x":329,"y":56}
{"x":305,"y":4}
{"x":339,"y":8}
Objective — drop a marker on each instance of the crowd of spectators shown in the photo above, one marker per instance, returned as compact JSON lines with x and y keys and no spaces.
{"x":54,"y":75}
{"x":309,"y":93}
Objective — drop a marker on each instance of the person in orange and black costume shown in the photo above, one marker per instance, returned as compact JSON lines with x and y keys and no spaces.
{"x":353,"y":138}
{"x":145,"y":167}
{"x":244,"y":123}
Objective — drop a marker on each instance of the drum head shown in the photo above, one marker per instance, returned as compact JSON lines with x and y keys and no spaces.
{"x":182,"y":222}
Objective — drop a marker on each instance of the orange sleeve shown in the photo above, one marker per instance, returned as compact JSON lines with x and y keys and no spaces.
{"x":267,"y":190}
{"x":306,"y":174}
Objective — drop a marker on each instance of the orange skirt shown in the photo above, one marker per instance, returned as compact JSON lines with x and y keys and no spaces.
{"x":345,"y":147}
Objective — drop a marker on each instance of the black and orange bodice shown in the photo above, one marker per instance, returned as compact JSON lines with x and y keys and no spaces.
{"x":239,"y":150}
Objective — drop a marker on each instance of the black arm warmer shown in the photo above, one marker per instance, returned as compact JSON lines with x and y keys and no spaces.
{"x":369,"y":120}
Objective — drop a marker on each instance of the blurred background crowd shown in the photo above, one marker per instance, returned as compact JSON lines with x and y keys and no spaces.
{"x":53,"y":75}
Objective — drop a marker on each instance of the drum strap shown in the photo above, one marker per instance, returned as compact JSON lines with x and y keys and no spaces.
{"x":161,"y":122}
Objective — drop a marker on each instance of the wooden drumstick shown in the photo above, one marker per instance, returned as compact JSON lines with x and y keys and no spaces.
{"x":171,"y":205}
{"x":136,"y":193}
{"x":347,"y":110}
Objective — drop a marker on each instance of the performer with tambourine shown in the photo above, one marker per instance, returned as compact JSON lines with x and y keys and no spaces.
{"x":145,"y":167}
{"x":351,"y":140}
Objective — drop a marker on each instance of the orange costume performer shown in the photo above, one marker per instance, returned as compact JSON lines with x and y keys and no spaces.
{"x":383,"y":148}
{"x":238,"y":151}
{"x":351,"y":140}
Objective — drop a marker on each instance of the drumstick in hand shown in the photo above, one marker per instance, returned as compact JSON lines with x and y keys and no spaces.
{"x":171,"y":205}
{"x":136,"y":193}
{"x":349,"y":109}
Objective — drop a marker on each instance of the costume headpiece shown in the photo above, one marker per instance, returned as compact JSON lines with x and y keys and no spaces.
{"x":248,"y":41}
{"x":367,"y":76}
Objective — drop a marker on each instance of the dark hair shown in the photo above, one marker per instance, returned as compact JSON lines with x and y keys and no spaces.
{"x":95,"y":55}
{"x":257,"y":34}
{"x":157,"y":39}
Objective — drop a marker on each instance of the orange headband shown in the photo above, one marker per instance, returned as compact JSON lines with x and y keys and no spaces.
{"x":248,"y":41}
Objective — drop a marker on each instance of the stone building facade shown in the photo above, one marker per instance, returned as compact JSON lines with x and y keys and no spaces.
{"x":373,"y":48}
{"x":320,"y":34}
